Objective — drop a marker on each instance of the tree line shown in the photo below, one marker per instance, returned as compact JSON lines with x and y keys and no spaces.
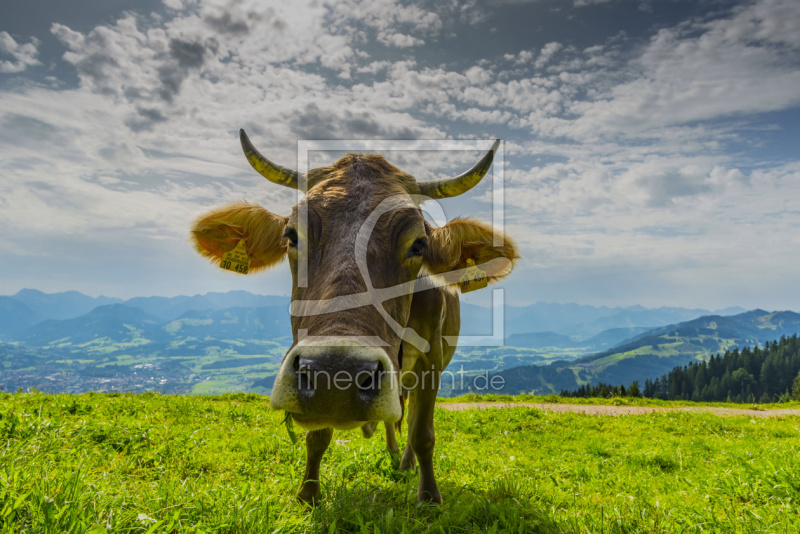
{"x":768,"y":374}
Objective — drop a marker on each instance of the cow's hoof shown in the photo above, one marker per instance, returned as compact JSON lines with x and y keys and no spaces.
{"x":429,"y":496}
{"x":395,"y":458}
{"x":408,"y":464}
{"x":309,"y":494}
{"x":368,"y":429}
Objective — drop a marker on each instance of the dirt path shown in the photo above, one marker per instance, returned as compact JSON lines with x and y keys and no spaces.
{"x":597,"y":409}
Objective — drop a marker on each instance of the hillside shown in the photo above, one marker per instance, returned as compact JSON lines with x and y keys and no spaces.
{"x":15,"y":317}
{"x":651,"y":354}
{"x":112,"y":324}
{"x":752,"y":374}
{"x":657,"y":351}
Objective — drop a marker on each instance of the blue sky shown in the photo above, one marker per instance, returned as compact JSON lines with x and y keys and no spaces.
{"x":650,"y":147}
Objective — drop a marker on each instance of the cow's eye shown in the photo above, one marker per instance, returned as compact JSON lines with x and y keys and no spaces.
{"x":291,"y":235}
{"x":418,"y":247}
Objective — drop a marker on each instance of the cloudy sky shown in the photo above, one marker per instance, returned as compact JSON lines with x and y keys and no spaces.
{"x":650,"y":147}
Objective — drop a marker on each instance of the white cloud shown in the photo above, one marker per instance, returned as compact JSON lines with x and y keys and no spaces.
{"x":399,"y":40}
{"x":24,"y":55}
{"x":177,"y":4}
{"x":148,"y":139}
{"x":374,"y":68}
{"x":615,"y":156}
{"x":699,"y":71}
{"x":548,"y":51}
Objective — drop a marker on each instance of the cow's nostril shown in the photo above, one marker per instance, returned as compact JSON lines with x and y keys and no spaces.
{"x":304,"y":383}
{"x":305,"y":378}
{"x":369,"y":381}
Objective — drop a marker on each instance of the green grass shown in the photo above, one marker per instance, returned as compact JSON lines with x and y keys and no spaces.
{"x":153,"y":463}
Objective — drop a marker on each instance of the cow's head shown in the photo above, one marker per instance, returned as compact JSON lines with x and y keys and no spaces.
{"x":365,"y":233}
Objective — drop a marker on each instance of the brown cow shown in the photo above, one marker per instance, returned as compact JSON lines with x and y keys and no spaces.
{"x":381,"y":296}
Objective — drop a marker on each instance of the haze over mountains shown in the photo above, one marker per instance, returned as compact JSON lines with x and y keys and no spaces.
{"x":235,"y":341}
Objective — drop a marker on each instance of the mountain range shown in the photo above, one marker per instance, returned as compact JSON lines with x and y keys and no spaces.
{"x":234,"y":340}
{"x":653,"y":353}
{"x":577,"y":322}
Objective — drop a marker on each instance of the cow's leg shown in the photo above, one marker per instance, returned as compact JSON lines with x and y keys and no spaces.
{"x":408,"y":462}
{"x":421,"y":436}
{"x":391,"y":440}
{"x":317,"y":442}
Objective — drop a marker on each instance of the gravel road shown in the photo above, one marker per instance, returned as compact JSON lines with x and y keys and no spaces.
{"x":596,"y":409}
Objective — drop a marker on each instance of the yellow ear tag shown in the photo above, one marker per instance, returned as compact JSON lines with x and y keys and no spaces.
{"x":474,"y":278}
{"x":237,"y":259}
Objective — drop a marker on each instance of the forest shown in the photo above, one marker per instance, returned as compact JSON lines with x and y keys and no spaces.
{"x":758,"y":375}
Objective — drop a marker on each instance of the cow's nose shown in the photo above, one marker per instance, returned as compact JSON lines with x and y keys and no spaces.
{"x":323,"y":372}
{"x":335,"y":382}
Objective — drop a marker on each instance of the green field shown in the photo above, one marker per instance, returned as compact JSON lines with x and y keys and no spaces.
{"x":155,"y":463}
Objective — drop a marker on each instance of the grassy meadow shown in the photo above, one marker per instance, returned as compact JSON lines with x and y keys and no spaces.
{"x":153,"y":463}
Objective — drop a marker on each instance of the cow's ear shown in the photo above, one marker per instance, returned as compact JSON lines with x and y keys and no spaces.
{"x":452,"y":246}
{"x":220,"y":231}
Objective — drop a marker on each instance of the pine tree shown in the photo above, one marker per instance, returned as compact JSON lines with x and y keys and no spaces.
{"x":796,"y":388}
{"x":770,"y":380}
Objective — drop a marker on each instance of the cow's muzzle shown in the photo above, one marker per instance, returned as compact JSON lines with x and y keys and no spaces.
{"x":339,"y":384}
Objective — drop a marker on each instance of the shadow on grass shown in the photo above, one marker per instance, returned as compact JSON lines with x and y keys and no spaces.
{"x":505,"y":507}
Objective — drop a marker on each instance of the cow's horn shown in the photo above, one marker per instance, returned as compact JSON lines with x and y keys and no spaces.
{"x":462,"y":183}
{"x":272,"y":172}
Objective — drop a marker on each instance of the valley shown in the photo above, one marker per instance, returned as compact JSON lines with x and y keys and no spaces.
{"x":235,"y":342}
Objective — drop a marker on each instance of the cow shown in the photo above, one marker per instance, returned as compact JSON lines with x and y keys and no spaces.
{"x":375,"y":307}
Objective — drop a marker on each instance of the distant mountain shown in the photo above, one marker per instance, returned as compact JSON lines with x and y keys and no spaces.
{"x":578,"y":322}
{"x":239,"y":337}
{"x":581,"y":322}
{"x":232,"y":324}
{"x":551,"y":317}
{"x":245,"y":299}
{"x":15,"y":316}
{"x":657,"y":351}
{"x":168,"y":308}
{"x":115,"y":323}
{"x":606,"y":339}
{"x":64,"y":305}
{"x":614,"y":336}
{"x":477,"y":320}
{"x":30,"y":306}
{"x":128,"y":326}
